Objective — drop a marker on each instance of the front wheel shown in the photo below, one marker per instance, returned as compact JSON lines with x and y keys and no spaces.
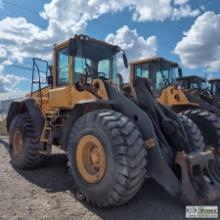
{"x":107,"y":158}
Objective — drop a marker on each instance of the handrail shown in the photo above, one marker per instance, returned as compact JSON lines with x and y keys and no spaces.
{"x":35,"y":68}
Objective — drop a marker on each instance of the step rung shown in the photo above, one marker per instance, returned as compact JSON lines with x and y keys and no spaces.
{"x":48,"y":128}
{"x":44,"y":140}
{"x":51,"y":112}
{"x":50,"y":116}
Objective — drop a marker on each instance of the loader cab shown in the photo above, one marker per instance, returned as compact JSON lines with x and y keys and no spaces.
{"x":80,"y":68}
{"x":84,"y":59}
{"x":160,"y":72}
{"x":192,"y":82}
{"x":214,"y":86}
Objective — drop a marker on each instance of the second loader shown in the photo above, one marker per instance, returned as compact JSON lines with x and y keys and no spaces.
{"x":161,"y":75}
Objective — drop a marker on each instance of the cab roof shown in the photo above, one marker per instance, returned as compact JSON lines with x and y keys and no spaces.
{"x":214,"y":80}
{"x":86,"y":38}
{"x":192,"y":77}
{"x":154,"y":59}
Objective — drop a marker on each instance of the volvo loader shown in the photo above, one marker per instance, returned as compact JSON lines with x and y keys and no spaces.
{"x":208,"y":90}
{"x":169,"y":87}
{"x":112,"y":141}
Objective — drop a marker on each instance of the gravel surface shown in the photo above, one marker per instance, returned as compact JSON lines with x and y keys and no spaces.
{"x":46,"y":193}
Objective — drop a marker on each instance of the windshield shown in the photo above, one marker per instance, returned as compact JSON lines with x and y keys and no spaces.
{"x":161,"y":74}
{"x":198,"y":85}
{"x":96,"y":60}
{"x":105,"y":68}
{"x":193,"y":84}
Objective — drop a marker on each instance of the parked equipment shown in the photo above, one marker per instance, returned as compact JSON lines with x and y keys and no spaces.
{"x":198,"y":85}
{"x":208,"y":93}
{"x":161,"y":74}
{"x":112,"y":141}
{"x":215,"y":91}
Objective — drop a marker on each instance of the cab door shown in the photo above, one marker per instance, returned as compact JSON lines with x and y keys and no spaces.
{"x":60,"y":96}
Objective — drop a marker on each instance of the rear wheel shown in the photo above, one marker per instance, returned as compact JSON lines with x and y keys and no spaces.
{"x":107,"y":158}
{"x":194,"y":135}
{"x":195,"y":139}
{"x":208,"y":124}
{"x":24,"y":147}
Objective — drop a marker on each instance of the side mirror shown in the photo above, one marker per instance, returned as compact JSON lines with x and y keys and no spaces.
{"x":50,"y":80}
{"x":180,"y":72}
{"x":125,"y":60}
{"x":50,"y":69}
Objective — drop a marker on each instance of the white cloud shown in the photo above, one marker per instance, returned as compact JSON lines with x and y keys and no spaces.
{"x":13,"y":94}
{"x":150,"y":10}
{"x":21,"y":39}
{"x":8,"y":82}
{"x":184,"y":11}
{"x":180,"y":2}
{"x":160,"y":10}
{"x":200,"y":46}
{"x":135,"y":46}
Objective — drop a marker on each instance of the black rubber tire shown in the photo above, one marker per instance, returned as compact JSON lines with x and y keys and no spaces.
{"x":208,"y":124}
{"x":30,"y":156}
{"x":194,"y":135}
{"x":125,"y":155}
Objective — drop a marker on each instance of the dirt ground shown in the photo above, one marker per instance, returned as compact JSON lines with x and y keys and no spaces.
{"x":45,"y":193}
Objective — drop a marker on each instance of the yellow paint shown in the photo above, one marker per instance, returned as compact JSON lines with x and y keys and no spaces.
{"x":170,"y":95}
{"x":173,"y":96}
{"x":90,"y":159}
{"x":60,"y":97}
{"x":67,"y":97}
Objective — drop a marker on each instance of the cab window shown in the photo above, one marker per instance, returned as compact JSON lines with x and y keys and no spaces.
{"x":159,"y":83}
{"x":138,"y":70}
{"x":145,"y":70}
{"x":79,"y":67}
{"x":142,"y":70}
{"x":104,"y":66}
{"x":62,"y":67}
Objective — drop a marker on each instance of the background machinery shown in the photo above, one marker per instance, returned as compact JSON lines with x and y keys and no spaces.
{"x":208,"y":91}
{"x":215,"y":91}
{"x":112,"y":141}
{"x":183,"y":95}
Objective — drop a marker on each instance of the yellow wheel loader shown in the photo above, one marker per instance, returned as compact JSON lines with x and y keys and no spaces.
{"x":208,"y":93}
{"x":215,"y":91}
{"x":180,"y":93}
{"x":111,"y":141}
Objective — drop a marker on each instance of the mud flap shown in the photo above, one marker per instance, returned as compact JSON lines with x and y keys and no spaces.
{"x":197,"y":184}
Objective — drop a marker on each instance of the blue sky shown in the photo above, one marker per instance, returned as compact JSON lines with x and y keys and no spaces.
{"x":156,"y":24}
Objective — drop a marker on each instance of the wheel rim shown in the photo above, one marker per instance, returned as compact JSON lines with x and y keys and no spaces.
{"x":90,"y":159}
{"x":17,"y":142}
